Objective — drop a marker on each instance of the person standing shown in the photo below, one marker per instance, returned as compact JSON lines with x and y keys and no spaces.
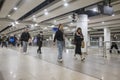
{"x":39,"y":42}
{"x":59,"y":36}
{"x":4,"y":40}
{"x":25,"y":36}
{"x":114,"y":45}
{"x":78,"y":38}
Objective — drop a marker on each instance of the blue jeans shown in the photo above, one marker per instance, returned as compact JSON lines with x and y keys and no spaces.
{"x":60,"y":45}
{"x":25,"y":46}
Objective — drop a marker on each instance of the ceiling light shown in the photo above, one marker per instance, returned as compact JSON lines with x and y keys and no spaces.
{"x":64,"y":0}
{"x":52,"y":26}
{"x":15,"y":8}
{"x":70,"y":17}
{"x":33,"y":16}
{"x":65,"y":4}
{"x":113,"y":14}
{"x":55,"y":21}
{"x":45,"y":10}
{"x":36,"y":24}
{"x":103,"y":22}
{"x":34,"y":19}
{"x":9,"y":15}
{"x":45,"y":28}
{"x":16,"y":22}
{"x":13,"y":24}
{"x":95,"y":9}
{"x":46,"y":13}
{"x":32,"y":26}
{"x":71,"y":23}
{"x":65,"y":27}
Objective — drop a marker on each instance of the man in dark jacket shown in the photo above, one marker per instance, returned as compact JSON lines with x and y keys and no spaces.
{"x":4,"y":41}
{"x":59,"y":36}
{"x":114,"y":44}
{"x":39,"y":42}
{"x":25,"y":36}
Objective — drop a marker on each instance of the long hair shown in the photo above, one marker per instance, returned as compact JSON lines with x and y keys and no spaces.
{"x":59,"y":26}
{"x":80,"y":31}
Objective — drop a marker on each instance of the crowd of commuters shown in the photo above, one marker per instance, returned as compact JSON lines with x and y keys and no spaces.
{"x":59,"y":40}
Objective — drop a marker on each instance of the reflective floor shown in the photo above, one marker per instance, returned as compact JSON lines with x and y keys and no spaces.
{"x":14,"y":65}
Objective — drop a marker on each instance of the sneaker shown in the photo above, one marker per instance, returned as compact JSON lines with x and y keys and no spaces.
{"x":60,"y":60}
{"x":83,"y":59}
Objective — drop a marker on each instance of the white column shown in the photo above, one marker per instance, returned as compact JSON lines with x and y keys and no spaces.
{"x":100,"y":41}
{"x":82,"y":22}
{"x":53,"y":35}
{"x":88,"y":44}
{"x":107,"y":37}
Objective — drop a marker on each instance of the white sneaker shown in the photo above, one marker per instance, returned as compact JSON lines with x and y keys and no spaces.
{"x":60,"y":60}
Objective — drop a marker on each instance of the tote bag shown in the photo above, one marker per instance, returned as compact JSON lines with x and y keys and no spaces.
{"x":82,"y":44}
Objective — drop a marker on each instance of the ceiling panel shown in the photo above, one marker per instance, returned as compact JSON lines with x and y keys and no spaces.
{"x":73,"y":6}
{"x":7,"y":6}
{"x":27,"y":6}
{"x":48,"y":9}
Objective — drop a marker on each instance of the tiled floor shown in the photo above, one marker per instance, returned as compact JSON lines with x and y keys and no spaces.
{"x":16,"y":66}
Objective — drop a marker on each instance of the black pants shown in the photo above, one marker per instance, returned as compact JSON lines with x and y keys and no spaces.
{"x":114,"y":46}
{"x":39,"y":47}
{"x":4,"y":44}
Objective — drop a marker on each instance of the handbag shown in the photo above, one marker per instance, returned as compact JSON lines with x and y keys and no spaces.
{"x":82,"y":44}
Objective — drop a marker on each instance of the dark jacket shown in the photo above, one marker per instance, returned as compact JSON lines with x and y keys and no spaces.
{"x":4,"y":39}
{"x":25,"y":36}
{"x":39,"y":40}
{"x":59,"y":36}
{"x":78,"y":39}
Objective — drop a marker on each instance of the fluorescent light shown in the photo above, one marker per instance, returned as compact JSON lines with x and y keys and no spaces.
{"x":65,"y":4}
{"x":15,"y":8}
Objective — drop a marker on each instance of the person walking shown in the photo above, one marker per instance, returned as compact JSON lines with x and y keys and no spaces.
{"x":78,"y":38}
{"x":4,"y":41}
{"x":39,"y":42}
{"x":59,"y":36}
{"x":114,"y":45}
{"x":25,"y":36}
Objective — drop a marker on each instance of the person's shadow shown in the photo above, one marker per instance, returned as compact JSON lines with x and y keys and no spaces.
{"x":1,"y":76}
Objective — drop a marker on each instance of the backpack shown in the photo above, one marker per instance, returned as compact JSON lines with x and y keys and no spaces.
{"x":12,"y":39}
